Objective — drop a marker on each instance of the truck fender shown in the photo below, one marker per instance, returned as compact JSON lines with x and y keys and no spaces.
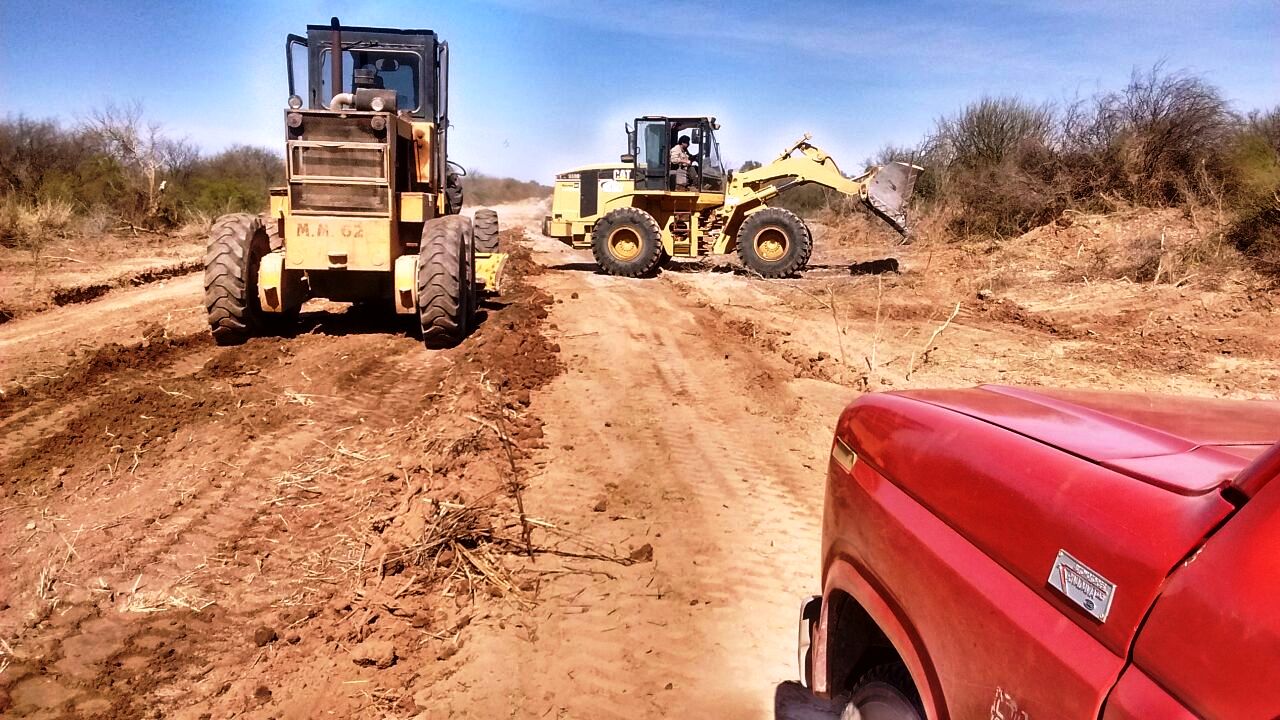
{"x":844,"y":576}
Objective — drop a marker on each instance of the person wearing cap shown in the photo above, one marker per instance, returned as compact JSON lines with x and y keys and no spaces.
{"x":681,"y":163}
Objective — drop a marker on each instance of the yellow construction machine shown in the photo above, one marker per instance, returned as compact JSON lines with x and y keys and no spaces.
{"x":652,"y":206}
{"x":370,"y":211}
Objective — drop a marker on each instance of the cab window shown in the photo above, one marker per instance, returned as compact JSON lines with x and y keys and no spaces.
{"x":395,"y":70}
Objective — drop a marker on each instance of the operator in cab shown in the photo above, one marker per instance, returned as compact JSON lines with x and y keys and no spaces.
{"x":682,"y":163}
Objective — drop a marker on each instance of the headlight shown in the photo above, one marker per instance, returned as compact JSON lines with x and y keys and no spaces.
{"x":295,"y":102}
{"x":379,"y":122}
{"x":377,"y":104}
{"x":293,"y":120}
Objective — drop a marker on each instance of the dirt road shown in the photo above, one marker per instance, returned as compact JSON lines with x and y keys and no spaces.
{"x":605,"y":503}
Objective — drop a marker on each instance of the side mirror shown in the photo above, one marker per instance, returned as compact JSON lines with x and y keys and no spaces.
{"x":628,"y":159}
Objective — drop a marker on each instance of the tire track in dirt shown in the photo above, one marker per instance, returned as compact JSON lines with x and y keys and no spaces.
{"x":683,"y":443}
{"x":214,"y":509}
{"x":191,"y":527}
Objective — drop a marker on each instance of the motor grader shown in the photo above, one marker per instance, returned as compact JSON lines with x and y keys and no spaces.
{"x":637,"y":213}
{"x":369,"y":213}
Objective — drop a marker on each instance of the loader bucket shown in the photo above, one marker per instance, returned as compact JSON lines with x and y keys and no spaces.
{"x":889,"y":190}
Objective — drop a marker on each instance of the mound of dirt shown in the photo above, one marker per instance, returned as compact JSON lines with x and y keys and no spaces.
{"x":92,"y":291}
{"x":239,"y":508}
{"x":104,"y":365}
{"x":1003,"y":310}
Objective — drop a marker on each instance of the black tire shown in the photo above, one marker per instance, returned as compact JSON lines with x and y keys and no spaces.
{"x":445,"y":264}
{"x":236,"y":245}
{"x":885,"y":693}
{"x":793,"y":701}
{"x":774,"y":243}
{"x":627,"y":242}
{"x":486,"y":231}
{"x":273,"y":232}
{"x":471,"y":290}
{"x":453,"y":197}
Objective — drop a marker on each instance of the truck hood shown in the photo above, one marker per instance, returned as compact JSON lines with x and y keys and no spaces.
{"x":1190,"y":446}
{"x":1125,"y":485}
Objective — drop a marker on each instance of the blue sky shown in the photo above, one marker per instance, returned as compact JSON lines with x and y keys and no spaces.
{"x":541,"y":86}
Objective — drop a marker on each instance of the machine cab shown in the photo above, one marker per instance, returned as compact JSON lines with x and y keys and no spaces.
{"x":411,"y":63}
{"x":650,"y":144}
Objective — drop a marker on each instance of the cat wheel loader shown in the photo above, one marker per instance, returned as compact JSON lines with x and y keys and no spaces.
{"x":635,"y":214}
{"x":370,"y":210}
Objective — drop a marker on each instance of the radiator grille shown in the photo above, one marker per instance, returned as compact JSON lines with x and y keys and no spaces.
{"x":323,"y":197}
{"x":334,"y":126}
{"x":341,"y":161}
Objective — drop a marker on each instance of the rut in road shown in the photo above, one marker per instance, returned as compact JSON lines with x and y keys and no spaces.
{"x":696,"y":445}
{"x":192,"y":495}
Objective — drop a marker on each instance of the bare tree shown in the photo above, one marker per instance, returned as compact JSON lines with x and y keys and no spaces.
{"x":1155,"y":140}
{"x":990,"y":130}
{"x":138,"y":145}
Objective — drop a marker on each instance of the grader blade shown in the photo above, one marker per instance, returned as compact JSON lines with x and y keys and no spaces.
{"x":489,"y":270}
{"x":889,"y":191}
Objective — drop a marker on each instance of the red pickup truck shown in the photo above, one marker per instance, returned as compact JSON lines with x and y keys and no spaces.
{"x":1021,"y":554}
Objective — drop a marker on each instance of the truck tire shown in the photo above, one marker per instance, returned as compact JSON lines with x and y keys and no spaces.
{"x":273,"y":232}
{"x":627,"y":242}
{"x":884,"y":693}
{"x":453,"y":196}
{"x":775,"y":243}
{"x":236,"y":245}
{"x":486,"y":231}
{"x":444,"y":287}
{"x":471,"y":291}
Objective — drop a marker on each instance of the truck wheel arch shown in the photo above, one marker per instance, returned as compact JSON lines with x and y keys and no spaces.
{"x":854,"y":611}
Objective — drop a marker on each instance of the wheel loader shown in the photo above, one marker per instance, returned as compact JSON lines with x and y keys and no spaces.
{"x":637,"y":213}
{"x":370,"y":211}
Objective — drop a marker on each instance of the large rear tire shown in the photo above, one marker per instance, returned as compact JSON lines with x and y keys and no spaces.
{"x":237,"y":244}
{"x":486,"y":231}
{"x":627,"y":242}
{"x":446,"y":265}
{"x":775,"y":243}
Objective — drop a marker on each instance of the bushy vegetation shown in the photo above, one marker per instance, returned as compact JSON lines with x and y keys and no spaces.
{"x":482,"y":189}
{"x":1001,"y":166}
{"x":114,"y":169}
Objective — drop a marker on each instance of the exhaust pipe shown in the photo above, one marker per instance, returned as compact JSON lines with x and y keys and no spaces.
{"x":335,"y":63}
{"x":342,"y":101}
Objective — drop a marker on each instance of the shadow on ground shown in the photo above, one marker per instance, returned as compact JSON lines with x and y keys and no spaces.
{"x":870,"y":267}
{"x":361,"y":319}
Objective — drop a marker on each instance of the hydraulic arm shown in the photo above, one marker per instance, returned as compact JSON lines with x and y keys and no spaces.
{"x":885,"y":189}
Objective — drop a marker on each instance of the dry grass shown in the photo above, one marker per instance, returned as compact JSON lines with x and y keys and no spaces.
{"x":32,"y":225}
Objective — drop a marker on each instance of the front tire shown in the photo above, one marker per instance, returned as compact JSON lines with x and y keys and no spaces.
{"x":775,"y":243}
{"x":486,"y":231}
{"x":445,"y":268}
{"x":237,"y":244}
{"x":627,"y":242}
{"x":884,"y":693}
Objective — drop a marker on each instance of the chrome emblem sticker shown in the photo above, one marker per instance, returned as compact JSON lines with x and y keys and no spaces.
{"x":1082,"y":585}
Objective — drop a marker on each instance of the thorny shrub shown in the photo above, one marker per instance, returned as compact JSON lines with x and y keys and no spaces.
{"x":1001,"y":166}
